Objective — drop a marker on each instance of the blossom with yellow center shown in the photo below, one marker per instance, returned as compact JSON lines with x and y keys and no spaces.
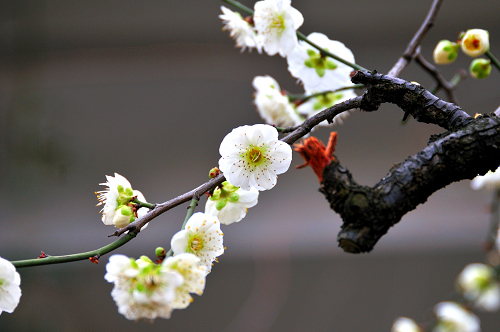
{"x":202,"y":237}
{"x":475,"y":42}
{"x":252,"y":156}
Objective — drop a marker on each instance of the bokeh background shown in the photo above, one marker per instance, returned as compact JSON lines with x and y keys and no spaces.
{"x":148,"y":89}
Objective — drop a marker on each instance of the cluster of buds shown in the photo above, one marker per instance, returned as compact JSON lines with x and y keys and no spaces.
{"x":474,"y":43}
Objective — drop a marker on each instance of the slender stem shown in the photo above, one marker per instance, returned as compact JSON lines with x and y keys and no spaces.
{"x":493,"y":59}
{"x":75,"y":257}
{"x":192,"y":206}
{"x":144,"y":204}
{"x":240,"y":6}
{"x":301,"y":36}
{"x":304,"y":97}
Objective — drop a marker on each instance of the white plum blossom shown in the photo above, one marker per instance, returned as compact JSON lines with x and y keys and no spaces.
{"x":188,"y":265}
{"x":478,"y":284}
{"x":316,"y":104}
{"x":276,"y":22}
{"x":475,"y":42}
{"x":10,"y":292}
{"x":490,"y":180}
{"x":317,"y":72}
{"x":239,"y":29}
{"x":142,"y":289}
{"x":230,"y":204}
{"x":452,"y":317}
{"x":252,"y":156}
{"x":404,"y":324}
{"x":274,"y":107}
{"x":202,"y":237}
{"x":116,"y":198}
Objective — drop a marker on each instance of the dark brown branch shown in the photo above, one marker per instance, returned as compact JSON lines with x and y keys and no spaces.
{"x":411,"y":98}
{"x":409,"y":53}
{"x":471,"y":147}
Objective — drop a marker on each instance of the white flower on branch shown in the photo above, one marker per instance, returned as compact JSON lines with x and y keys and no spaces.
{"x":316,"y":104}
{"x":118,"y":210}
{"x":404,"y":324}
{"x":276,"y":22}
{"x":452,"y":317}
{"x":202,"y":237}
{"x":142,"y":289}
{"x":230,"y":203}
{"x":252,"y":156}
{"x":10,"y":292}
{"x":490,"y":180}
{"x":274,"y":107}
{"x":478,"y":284}
{"x":239,"y":29}
{"x":194,"y":278}
{"x":475,"y":42}
{"x":317,"y":71}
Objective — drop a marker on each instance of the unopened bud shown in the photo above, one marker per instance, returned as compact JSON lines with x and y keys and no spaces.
{"x":445,"y":52}
{"x":214,"y":172}
{"x":160,"y":252}
{"x":480,"y":68}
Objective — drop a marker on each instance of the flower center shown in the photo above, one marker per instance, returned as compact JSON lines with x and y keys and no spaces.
{"x":255,"y":155}
{"x":472,"y":43}
{"x":319,"y":62}
{"x":278,"y":23}
{"x":196,"y":244}
{"x":326,"y":100}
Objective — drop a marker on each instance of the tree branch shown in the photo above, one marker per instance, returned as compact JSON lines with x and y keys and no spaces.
{"x":409,"y":53}
{"x":470,"y":147}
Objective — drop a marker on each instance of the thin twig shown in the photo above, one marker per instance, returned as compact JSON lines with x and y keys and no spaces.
{"x":442,"y":82}
{"x":409,"y":53}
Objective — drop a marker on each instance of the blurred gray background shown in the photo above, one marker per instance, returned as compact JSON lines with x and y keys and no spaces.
{"x":148,"y":89}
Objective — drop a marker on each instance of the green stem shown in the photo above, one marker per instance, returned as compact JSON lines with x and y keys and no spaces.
{"x":301,"y":36}
{"x":304,"y":97}
{"x":456,"y":79}
{"x":493,"y":59}
{"x":192,"y":206}
{"x":240,"y":6}
{"x":143,"y":204}
{"x":75,"y":257}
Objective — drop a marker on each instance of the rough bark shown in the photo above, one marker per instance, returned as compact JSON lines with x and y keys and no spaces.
{"x":469,"y":147}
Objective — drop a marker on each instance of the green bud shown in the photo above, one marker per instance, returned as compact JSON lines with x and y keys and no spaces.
{"x":214,"y":172}
{"x":480,"y":68}
{"x":160,"y":252}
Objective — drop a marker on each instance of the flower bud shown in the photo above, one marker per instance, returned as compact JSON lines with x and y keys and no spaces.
{"x":480,"y":68}
{"x":445,"y":52}
{"x":123,"y":216}
{"x":214,"y":172}
{"x":475,"y":42}
{"x":160,"y":252}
